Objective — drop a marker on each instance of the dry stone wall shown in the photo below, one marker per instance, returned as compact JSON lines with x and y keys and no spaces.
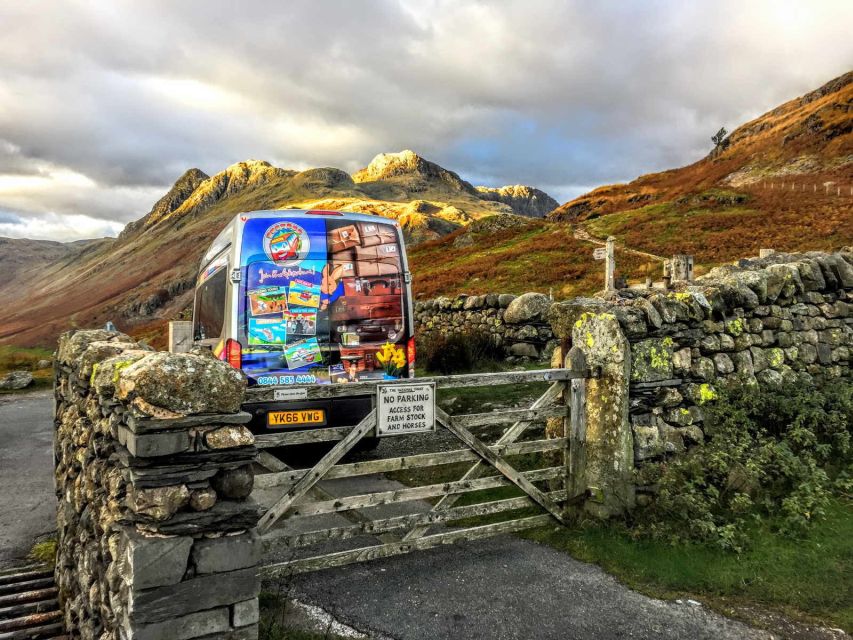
{"x":155,"y":525}
{"x":763,"y":321}
{"x":519,"y":324}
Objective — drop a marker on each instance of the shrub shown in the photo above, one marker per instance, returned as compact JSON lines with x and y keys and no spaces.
{"x":775,"y":453}
{"x":458,"y":352}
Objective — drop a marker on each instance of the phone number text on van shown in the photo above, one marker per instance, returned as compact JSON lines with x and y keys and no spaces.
{"x":305,"y":378}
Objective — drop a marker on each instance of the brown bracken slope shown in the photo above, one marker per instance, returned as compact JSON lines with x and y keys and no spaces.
{"x":781,"y":181}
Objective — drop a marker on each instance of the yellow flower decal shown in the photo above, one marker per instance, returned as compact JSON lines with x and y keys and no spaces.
{"x":392,"y":359}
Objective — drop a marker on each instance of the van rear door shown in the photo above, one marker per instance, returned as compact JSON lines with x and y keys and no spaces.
{"x":323,"y":300}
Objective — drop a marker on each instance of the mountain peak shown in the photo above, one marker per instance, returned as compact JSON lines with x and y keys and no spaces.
{"x":412,"y":170}
{"x":174,"y":198}
{"x":524,"y":200}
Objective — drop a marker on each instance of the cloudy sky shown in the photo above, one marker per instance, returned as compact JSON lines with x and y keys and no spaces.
{"x":104,"y":104}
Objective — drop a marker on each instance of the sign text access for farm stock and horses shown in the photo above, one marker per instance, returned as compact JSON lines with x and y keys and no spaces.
{"x":405,"y":408}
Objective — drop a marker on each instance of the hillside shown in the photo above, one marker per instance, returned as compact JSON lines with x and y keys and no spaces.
{"x":146,"y":276}
{"x":773,"y":182}
{"x":514,"y":255}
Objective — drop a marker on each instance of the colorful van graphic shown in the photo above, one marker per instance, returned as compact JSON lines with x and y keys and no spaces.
{"x":307,"y":297}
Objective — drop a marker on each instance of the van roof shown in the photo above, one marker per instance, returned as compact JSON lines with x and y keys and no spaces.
{"x":312,"y":213}
{"x":223,"y":240}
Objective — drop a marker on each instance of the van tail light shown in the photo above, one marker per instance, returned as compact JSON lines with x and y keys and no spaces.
{"x":233,"y":353}
{"x":410,"y":356}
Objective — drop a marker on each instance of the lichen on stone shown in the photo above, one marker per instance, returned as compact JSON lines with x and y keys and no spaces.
{"x":707,"y":393}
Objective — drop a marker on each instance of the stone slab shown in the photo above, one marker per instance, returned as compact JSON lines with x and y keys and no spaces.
{"x":154,"y":561}
{"x":245,"y":613}
{"x":194,"y":625}
{"x":189,"y":596}
{"x":228,"y":553}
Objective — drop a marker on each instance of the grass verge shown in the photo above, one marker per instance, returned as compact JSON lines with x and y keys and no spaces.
{"x":808,"y":579}
{"x":26,"y":359}
{"x":44,"y":551}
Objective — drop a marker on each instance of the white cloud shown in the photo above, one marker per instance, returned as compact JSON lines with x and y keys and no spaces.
{"x":119,"y":98}
{"x":59,"y":227}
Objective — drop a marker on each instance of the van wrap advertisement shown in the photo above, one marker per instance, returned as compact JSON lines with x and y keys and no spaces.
{"x":320,"y":305}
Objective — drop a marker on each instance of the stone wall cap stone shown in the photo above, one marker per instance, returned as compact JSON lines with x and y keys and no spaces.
{"x":183,"y":384}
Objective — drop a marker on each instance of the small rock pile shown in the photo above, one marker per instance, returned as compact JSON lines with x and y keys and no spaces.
{"x":155,"y":525}
{"x":517,"y":323}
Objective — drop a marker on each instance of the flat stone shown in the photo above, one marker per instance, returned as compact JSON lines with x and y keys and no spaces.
{"x":193,"y":625}
{"x":245,"y":613}
{"x":149,"y":445}
{"x":141,"y":424}
{"x":154,"y":561}
{"x":197,"y":594}
{"x":227,"y":553}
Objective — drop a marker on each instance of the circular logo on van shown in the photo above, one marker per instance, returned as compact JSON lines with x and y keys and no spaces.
{"x":286,"y":243}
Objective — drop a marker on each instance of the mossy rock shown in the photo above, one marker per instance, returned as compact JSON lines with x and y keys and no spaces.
{"x":651,"y":360}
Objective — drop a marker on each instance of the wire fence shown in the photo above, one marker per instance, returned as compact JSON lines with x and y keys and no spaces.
{"x":825,"y":188}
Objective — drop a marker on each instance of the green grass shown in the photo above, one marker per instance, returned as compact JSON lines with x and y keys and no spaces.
{"x":44,"y":551}
{"x":26,"y":358}
{"x":807,"y":579}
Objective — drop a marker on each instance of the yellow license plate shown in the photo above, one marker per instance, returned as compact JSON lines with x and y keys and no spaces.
{"x":294,"y":418}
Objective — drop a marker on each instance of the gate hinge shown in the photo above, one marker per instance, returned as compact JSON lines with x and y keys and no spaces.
{"x":407,"y":277}
{"x":236,"y":275}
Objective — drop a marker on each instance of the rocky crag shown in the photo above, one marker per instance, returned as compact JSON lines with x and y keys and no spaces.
{"x":523,"y":200}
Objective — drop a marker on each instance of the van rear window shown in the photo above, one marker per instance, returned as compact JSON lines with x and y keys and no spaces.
{"x":322,"y":301}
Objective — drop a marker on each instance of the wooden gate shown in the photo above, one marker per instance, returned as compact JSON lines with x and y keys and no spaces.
{"x":539,"y":486}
